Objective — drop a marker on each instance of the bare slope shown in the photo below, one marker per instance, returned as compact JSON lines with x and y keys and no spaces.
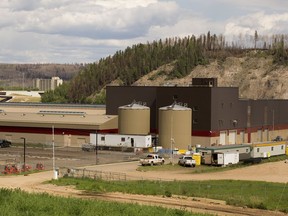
{"x":256,"y":77}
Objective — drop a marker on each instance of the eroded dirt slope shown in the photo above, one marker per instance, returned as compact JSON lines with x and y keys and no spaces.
{"x":256,"y":77}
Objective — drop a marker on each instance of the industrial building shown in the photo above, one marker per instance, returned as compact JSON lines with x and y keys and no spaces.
{"x":71,"y":125}
{"x":175,"y":117}
{"x":47,"y":84}
{"x":218,"y":116}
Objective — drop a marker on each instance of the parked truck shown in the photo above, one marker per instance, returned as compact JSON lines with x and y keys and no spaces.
{"x":187,"y":160}
{"x":152,"y":159}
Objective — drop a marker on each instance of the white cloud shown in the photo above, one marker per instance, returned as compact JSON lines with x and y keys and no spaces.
{"x":95,"y":19}
{"x":86,"y":30}
{"x":265,"y":24}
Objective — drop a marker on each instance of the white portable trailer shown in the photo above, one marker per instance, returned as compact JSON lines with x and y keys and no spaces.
{"x":267,"y":149}
{"x":120,"y":140}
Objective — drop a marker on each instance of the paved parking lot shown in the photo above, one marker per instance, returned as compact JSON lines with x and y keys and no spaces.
{"x":64,"y":157}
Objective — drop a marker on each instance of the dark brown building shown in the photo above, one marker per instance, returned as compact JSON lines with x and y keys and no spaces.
{"x":218,"y":115}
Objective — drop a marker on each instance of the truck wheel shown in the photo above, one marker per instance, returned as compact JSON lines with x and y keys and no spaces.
{"x":152,"y":163}
{"x":162,"y":162}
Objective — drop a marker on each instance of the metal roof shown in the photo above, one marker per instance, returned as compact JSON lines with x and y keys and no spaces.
{"x":175,"y":106}
{"x":64,"y":117}
{"x":233,"y":146}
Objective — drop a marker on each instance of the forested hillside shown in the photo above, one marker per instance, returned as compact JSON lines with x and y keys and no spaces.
{"x":176,"y":58}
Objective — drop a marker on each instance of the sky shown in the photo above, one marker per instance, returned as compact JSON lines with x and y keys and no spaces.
{"x":83,"y":31}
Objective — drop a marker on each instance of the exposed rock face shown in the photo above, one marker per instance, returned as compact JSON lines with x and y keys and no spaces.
{"x":256,"y":77}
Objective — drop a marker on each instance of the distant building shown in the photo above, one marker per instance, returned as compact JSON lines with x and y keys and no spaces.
{"x":47,"y":84}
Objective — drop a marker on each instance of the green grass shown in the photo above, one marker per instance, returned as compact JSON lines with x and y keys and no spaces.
{"x":18,"y":203}
{"x":263,"y":195}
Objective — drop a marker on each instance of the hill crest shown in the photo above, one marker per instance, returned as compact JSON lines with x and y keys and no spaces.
{"x":256,"y":77}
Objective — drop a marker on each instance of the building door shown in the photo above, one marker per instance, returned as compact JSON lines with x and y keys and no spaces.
{"x":259,"y":136}
{"x":222,"y":137}
{"x":232,"y":137}
{"x":67,"y":140}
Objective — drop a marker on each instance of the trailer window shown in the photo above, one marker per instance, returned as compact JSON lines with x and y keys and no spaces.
{"x":246,"y":150}
{"x":258,"y":149}
{"x":102,"y":138}
{"x":282,"y":147}
{"x":122,"y":139}
{"x":272,"y":148}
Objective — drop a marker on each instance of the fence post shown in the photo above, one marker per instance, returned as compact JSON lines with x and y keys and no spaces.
{"x":83,"y":173}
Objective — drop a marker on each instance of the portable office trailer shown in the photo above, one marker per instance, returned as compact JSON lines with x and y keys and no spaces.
{"x":224,"y":159}
{"x":264,"y":150}
{"x":121,"y":140}
{"x":242,"y":149}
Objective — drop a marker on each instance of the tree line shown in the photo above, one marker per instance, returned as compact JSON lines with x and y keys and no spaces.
{"x":138,"y":60}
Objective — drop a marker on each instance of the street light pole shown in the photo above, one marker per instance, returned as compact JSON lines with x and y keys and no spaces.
{"x":273,"y":119}
{"x":96,"y":145}
{"x":24,"y":140}
{"x":55,"y":173}
{"x":171,"y":135}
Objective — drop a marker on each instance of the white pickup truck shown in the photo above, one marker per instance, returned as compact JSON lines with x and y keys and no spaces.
{"x":186,"y":161}
{"x":152,"y":159}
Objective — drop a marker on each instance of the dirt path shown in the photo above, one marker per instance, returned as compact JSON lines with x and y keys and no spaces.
{"x":272,"y":172}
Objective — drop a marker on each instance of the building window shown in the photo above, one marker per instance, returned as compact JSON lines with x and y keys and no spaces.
{"x":258,"y":149}
{"x":102,"y":138}
{"x":272,"y":148}
{"x":122,"y":139}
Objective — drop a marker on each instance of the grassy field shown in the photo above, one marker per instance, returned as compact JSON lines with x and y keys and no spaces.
{"x":17,"y":202}
{"x":263,"y":195}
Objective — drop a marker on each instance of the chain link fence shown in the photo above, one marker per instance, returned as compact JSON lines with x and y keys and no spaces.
{"x":92,"y":174}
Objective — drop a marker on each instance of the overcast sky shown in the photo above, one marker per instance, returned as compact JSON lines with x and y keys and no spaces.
{"x":82,"y":31}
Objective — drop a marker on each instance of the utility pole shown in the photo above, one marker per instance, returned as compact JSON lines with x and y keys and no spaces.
{"x":24,"y":140}
{"x":96,"y":145}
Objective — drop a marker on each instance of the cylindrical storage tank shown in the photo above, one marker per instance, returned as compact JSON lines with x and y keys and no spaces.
{"x":175,"y":124}
{"x":134,"y":119}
